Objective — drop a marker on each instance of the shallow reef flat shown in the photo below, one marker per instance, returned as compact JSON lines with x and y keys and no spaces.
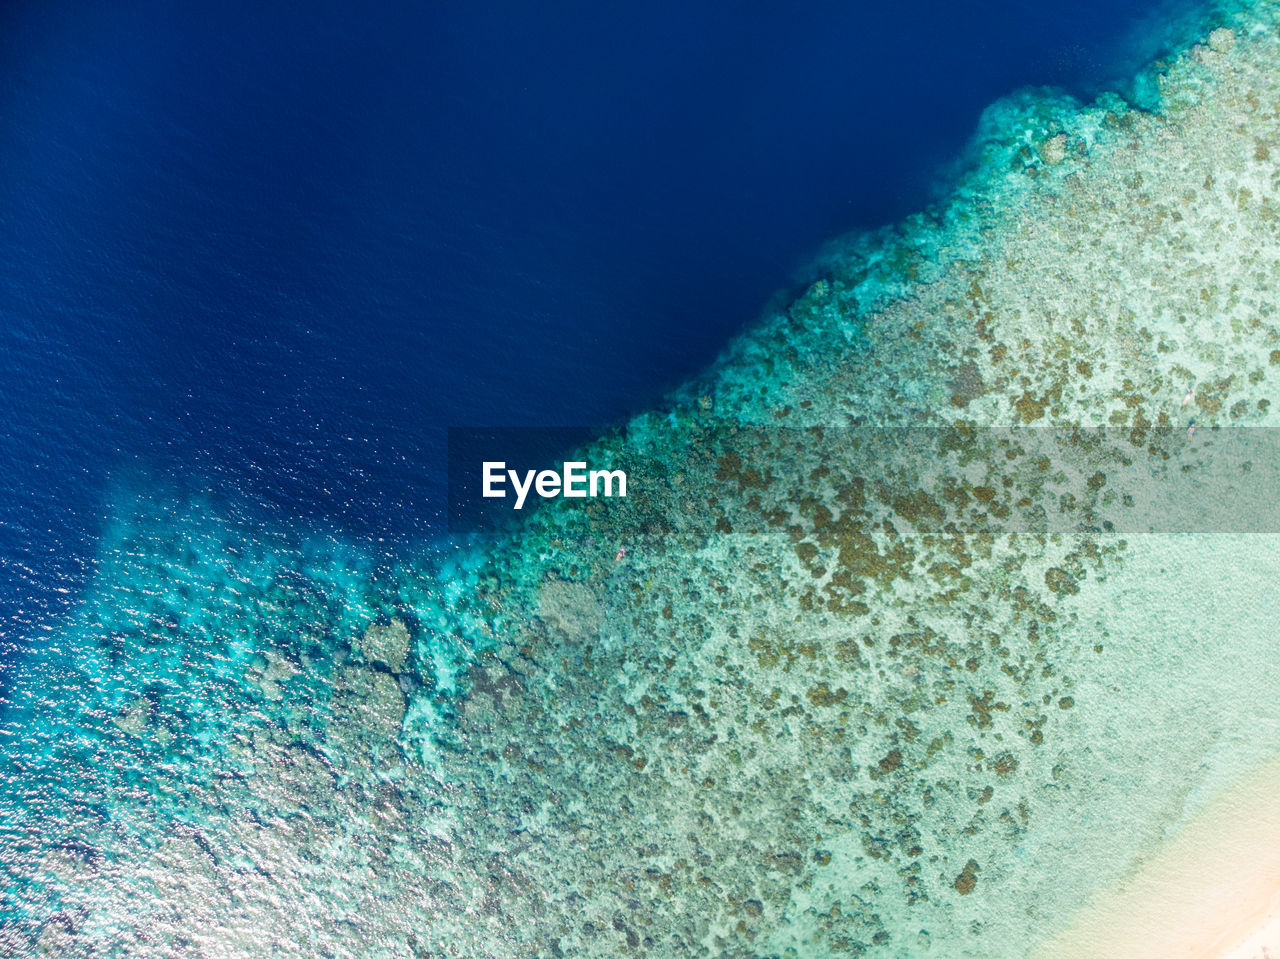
{"x":937,"y":618}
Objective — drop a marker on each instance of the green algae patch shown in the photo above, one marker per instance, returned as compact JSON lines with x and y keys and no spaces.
{"x":822,"y":695}
{"x":968,"y":878}
{"x":1061,"y":581}
{"x":1030,"y":408}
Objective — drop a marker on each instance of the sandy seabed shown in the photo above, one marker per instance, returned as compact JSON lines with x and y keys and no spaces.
{"x":1210,"y":892}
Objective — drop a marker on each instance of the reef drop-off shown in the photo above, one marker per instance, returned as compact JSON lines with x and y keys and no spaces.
{"x":926,"y":704}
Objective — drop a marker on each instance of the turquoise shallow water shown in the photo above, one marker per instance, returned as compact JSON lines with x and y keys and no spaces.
{"x":880,"y":697}
{"x":194,"y":616}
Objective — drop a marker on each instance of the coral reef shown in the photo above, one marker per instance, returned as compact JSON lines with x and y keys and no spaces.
{"x":867,"y":662}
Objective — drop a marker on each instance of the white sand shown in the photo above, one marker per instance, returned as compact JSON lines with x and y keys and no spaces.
{"x":1211,"y":892}
{"x":1263,"y":944}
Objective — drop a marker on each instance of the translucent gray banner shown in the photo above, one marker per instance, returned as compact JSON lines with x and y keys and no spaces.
{"x":701,"y":478}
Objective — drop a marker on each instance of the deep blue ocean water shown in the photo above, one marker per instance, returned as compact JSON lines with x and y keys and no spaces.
{"x":270,"y":251}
